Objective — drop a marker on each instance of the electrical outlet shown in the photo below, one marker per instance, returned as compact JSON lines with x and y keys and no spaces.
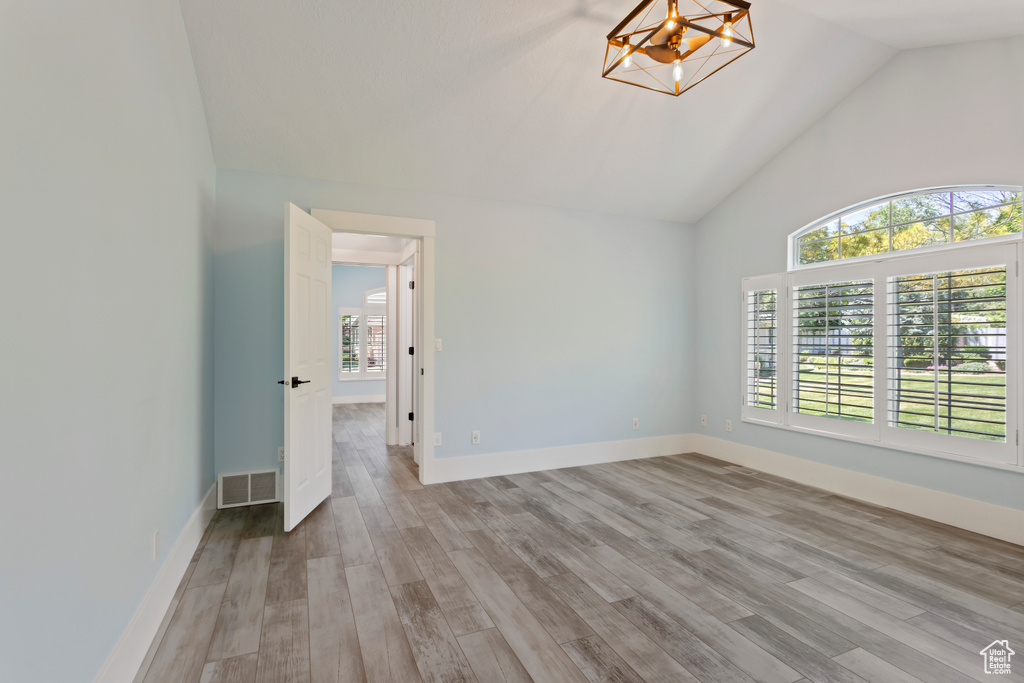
{"x":636,"y":423}
{"x":475,"y":437}
{"x":728,"y":425}
{"x":280,"y":453}
{"x":437,"y":344}
{"x":703,"y":420}
{"x":437,"y":438}
{"x":156,"y":544}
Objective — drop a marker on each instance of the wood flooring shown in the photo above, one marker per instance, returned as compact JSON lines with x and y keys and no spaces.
{"x":678,"y":568}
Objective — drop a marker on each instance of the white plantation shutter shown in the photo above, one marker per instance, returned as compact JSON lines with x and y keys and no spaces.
{"x":761,"y":348}
{"x":953,"y":368}
{"x":362,"y":343}
{"x":833,"y":345}
{"x":376,"y":343}
{"x":348,"y":344}
{"x":948,"y":366}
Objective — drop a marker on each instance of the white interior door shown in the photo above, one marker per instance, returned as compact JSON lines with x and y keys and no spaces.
{"x":307,"y":362}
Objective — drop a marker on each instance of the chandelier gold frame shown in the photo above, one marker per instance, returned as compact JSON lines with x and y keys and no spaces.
{"x":674,"y":51}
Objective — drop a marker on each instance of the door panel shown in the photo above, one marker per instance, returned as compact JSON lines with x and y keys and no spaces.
{"x":307,"y":405}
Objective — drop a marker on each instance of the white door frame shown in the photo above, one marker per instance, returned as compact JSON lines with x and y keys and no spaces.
{"x":391,"y":388}
{"x":424,"y":231}
{"x":406,"y":365}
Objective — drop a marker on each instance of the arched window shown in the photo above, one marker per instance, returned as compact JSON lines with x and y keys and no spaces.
{"x":375,"y":297}
{"x":925,"y":219}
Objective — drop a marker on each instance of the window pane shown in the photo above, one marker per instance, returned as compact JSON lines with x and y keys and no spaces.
{"x":980,"y":199}
{"x":824,"y":232}
{"x":866,"y":243}
{"x":376,"y":343}
{"x":923,"y":234}
{"x":816,"y":252}
{"x":920,"y":208}
{"x":871,"y":218}
{"x":348,"y":343}
{"x":1004,"y":220}
{"x":761,"y":329}
{"x":948,"y":363}
{"x":834,"y":351}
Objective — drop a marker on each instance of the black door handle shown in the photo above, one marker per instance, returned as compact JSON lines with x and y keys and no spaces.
{"x":296,"y":381}
{"x":282,"y":381}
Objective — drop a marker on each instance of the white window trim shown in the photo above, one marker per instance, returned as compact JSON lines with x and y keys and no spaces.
{"x":793,"y":244}
{"x":363,"y":374}
{"x":1008,"y":455}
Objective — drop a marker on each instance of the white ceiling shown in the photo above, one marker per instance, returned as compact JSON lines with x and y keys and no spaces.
{"x":921,"y":23}
{"x":504,"y":100}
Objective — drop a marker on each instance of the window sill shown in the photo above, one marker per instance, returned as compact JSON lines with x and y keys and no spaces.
{"x":993,"y":464}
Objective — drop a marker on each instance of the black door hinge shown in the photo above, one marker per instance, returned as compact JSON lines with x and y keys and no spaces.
{"x":412,"y":351}
{"x":412,"y":284}
{"x":410,"y":416}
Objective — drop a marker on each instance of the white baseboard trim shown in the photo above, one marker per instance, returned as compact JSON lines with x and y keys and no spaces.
{"x":992,"y":520}
{"x":371,"y":398}
{"x":556,"y":457}
{"x":123,"y":663}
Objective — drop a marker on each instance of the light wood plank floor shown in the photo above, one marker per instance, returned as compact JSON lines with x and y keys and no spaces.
{"x":679,"y":568}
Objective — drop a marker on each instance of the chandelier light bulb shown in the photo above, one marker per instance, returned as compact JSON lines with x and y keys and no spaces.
{"x":677,"y":71}
{"x":671,"y":24}
{"x":727,"y":34}
{"x":627,"y":60}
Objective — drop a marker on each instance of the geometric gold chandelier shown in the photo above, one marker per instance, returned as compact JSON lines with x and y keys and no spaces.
{"x":672,"y":49}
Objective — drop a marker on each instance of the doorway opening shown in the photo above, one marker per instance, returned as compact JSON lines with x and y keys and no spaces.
{"x":374,"y":317}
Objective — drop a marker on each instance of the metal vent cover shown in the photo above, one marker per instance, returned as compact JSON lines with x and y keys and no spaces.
{"x":263,"y":487}
{"x":247,"y":488}
{"x":234,"y":489}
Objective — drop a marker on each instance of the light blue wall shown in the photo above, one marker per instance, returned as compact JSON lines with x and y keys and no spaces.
{"x":938,"y":116}
{"x":106,"y":297}
{"x":348,"y":284}
{"x":558,"y":326}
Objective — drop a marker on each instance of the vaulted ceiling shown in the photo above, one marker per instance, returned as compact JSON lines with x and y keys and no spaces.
{"x":504,"y":100}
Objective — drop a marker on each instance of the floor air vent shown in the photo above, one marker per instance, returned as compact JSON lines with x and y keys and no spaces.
{"x":247,"y":488}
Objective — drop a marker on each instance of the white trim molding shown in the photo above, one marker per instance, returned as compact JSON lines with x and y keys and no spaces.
{"x":556,"y":457}
{"x":997,"y":521}
{"x":369,"y":398}
{"x":130,"y":652}
{"x":364,"y":258}
{"x":373,"y":224}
